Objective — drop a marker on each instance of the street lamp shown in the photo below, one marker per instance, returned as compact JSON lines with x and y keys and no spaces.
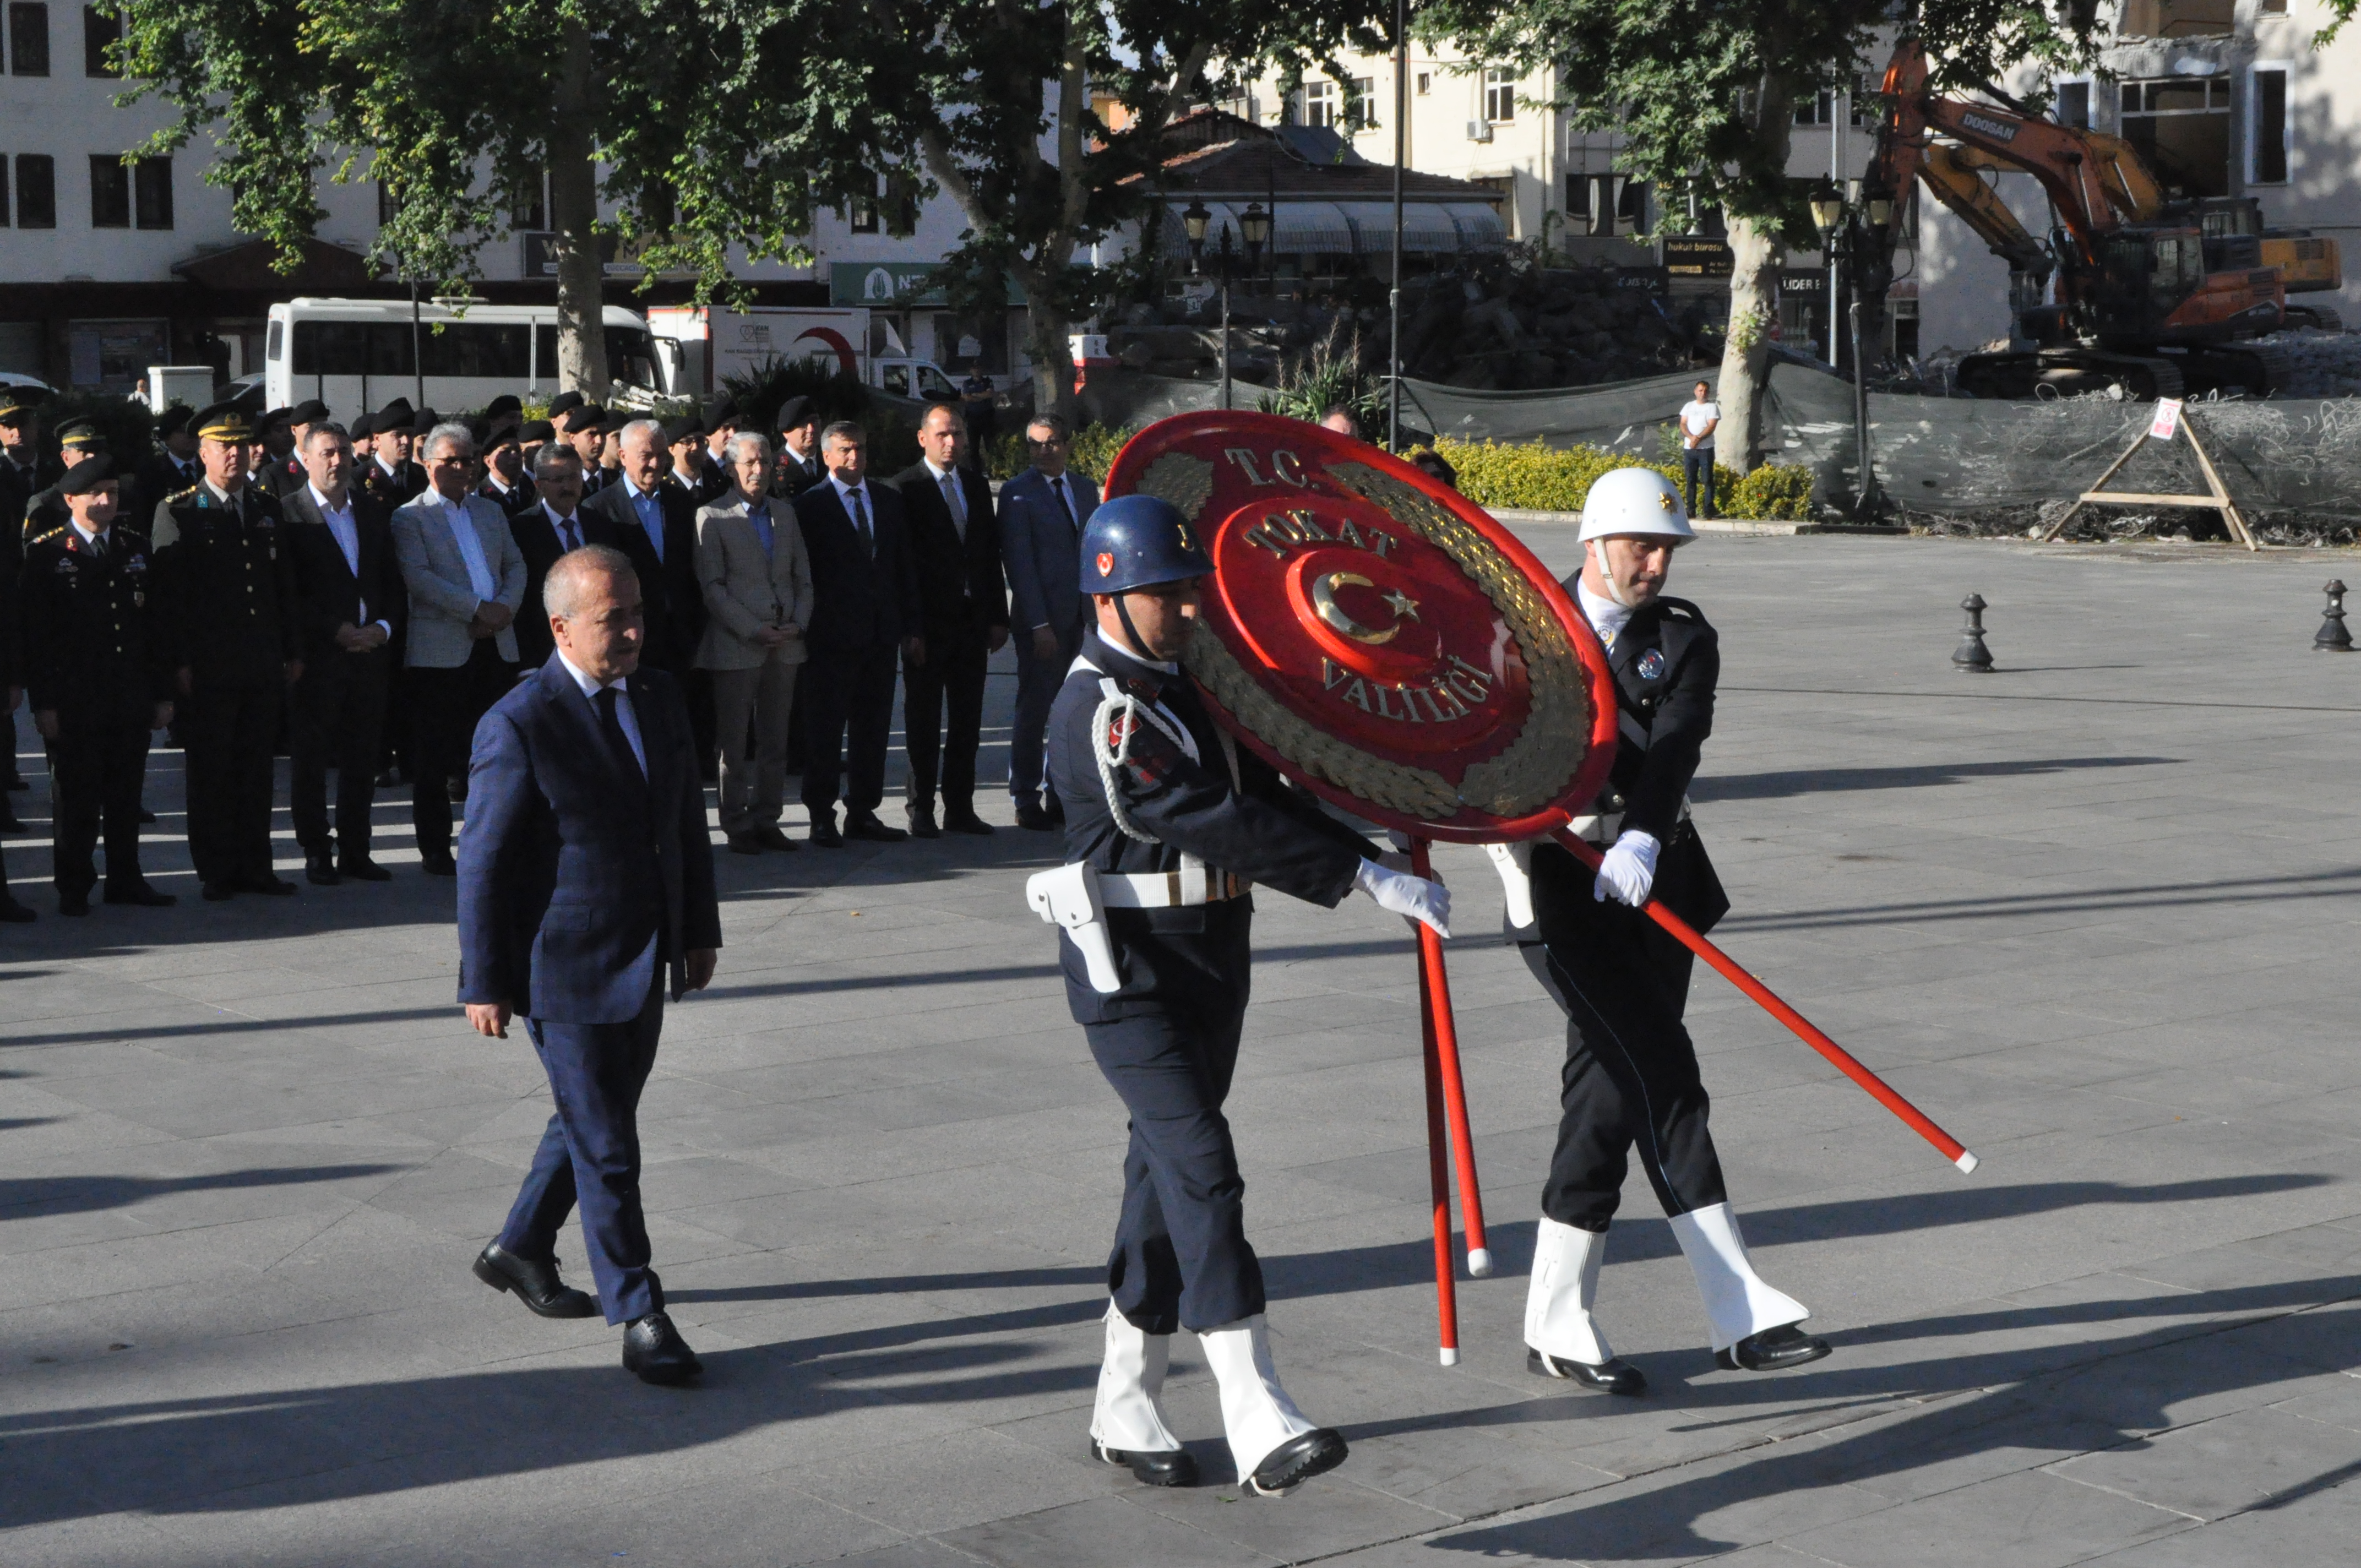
{"x":1195,"y":220}
{"x":1254,"y":227}
{"x":1255,"y":222}
{"x":1845,"y":235}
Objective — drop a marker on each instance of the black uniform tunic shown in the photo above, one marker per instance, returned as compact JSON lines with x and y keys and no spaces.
{"x":1168,"y":1040}
{"x":1630,"y":1076}
{"x":92,"y":656}
{"x":228,"y":591}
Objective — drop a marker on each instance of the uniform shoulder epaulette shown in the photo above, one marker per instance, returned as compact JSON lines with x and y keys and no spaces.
{"x":1680,"y":610}
{"x":128,"y":531}
{"x":176,"y":496}
{"x":47,"y":534}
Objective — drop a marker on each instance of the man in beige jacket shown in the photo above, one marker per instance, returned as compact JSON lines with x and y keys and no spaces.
{"x":758,"y":595}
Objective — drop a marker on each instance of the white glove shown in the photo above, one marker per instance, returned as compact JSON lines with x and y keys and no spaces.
{"x":1629,"y":870}
{"x":1411,"y":897}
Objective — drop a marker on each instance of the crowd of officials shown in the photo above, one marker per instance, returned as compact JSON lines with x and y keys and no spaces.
{"x":356,"y":596}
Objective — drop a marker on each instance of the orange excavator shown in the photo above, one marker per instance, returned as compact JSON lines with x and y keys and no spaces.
{"x":2130,"y":290}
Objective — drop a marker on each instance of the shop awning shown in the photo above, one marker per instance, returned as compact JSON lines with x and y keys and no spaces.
{"x":1427,"y":228}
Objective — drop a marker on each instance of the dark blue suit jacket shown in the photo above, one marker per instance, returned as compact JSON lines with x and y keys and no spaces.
{"x":860,"y":602}
{"x":568,"y":873}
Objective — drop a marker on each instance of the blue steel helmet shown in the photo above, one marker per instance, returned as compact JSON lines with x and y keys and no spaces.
{"x":1137,"y":542}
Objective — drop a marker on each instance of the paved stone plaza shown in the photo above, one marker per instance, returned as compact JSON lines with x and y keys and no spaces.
{"x":2095,"y":913}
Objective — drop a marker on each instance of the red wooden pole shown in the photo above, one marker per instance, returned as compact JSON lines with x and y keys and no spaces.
{"x":1436,"y":996}
{"x":1438,"y":1170}
{"x":1883,"y":1093}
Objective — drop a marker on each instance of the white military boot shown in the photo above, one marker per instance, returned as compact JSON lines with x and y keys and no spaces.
{"x":1274,"y":1445}
{"x":1127,"y":1425}
{"x":1753,"y":1325}
{"x":1562,"y":1339}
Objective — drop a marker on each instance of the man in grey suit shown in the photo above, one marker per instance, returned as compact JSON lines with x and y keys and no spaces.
{"x":1042,"y":511}
{"x":758,"y":599}
{"x":466,"y":579}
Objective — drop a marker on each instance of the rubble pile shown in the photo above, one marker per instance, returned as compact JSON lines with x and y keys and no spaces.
{"x":2321,"y":364}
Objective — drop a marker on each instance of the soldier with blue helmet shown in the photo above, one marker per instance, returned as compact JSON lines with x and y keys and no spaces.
{"x":1168,"y":825}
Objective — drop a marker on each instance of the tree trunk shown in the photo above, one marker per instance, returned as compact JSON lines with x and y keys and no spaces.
{"x":1045,"y":322}
{"x":574,"y":216}
{"x":1046,"y":344}
{"x":1756,"y":252}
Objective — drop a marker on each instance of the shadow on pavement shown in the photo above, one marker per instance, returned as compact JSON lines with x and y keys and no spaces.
{"x":38,"y":1197}
{"x":1826,"y":780}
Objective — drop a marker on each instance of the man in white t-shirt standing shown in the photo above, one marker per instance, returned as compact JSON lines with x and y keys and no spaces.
{"x":1700,"y":415}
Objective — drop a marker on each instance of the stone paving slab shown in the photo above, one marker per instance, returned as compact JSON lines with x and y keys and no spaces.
{"x":2094,"y":911}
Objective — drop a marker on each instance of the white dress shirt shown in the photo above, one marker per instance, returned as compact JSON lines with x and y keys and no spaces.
{"x":480,"y":581}
{"x":348,"y":539}
{"x":624,"y":713}
{"x":1606,"y":618}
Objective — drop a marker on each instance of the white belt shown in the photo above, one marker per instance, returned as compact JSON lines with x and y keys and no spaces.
{"x":1187,"y":888}
{"x":1602,"y":828}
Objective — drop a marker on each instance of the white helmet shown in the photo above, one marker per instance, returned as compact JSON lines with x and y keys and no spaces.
{"x":1634,"y":501}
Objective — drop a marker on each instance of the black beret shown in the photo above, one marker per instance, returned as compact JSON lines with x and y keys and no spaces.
{"x":364,"y":426}
{"x":479,"y":431}
{"x":271,"y":417}
{"x":720,"y":409}
{"x":490,"y":437}
{"x":424,"y":420}
{"x":394,"y":417}
{"x":173,"y":420}
{"x":687,"y":427}
{"x":795,"y":413}
{"x":537,"y":430}
{"x":87,"y":475}
{"x":505,"y":404}
{"x":565,"y":400}
{"x":586,"y":416}
{"x":311,"y":410}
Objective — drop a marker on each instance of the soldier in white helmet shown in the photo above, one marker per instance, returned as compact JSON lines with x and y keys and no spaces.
{"x":1630,"y":1077}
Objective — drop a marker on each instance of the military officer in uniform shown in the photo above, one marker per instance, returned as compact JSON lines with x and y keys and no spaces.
{"x":97,"y":682}
{"x":77,"y":439}
{"x":390,"y":478}
{"x":1167,"y":824}
{"x":1630,"y":1077}
{"x":228,"y":589}
{"x":11,"y":693}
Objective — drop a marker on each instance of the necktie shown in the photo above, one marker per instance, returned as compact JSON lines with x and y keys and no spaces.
{"x":573,"y":540}
{"x":618,"y":745}
{"x":860,"y":520}
{"x":1057,"y":488}
{"x":98,"y":546}
{"x":957,"y":502}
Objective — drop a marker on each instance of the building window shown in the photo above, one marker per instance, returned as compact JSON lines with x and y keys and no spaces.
{"x":2179,"y":18}
{"x":860,"y":210}
{"x":110,"y":192}
{"x":2181,"y":125}
{"x":37,"y":190}
{"x":532,"y":209}
{"x":1361,"y":103}
{"x":1817,"y":110}
{"x":2074,"y":104}
{"x":101,"y":29}
{"x":2267,"y":133}
{"x":389,"y":205}
{"x":28,"y":38}
{"x":1499,"y":95}
{"x":152,"y":193}
{"x":1425,"y":82}
{"x":1632,"y":207}
{"x":1319,"y":103}
{"x":2272,"y":8}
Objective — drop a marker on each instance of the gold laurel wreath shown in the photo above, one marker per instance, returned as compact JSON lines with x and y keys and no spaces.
{"x":1537,"y":765}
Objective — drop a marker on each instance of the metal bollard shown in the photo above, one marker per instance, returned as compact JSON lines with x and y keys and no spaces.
{"x":1972,"y":656}
{"x":2332,"y":636}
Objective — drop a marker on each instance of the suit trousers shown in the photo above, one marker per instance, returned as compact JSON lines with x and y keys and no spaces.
{"x":8,"y":773}
{"x":848,"y":721}
{"x":94,"y":779}
{"x":1630,"y":1077}
{"x":229,"y":734}
{"x":750,"y":708}
{"x":589,"y":1155}
{"x":1180,"y":1257}
{"x":951,"y":677}
{"x":445,"y":707}
{"x":339,"y":722}
{"x":1038,"y":681}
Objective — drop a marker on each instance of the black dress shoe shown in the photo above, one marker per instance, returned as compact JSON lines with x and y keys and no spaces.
{"x":13,"y":913}
{"x":966,"y":822}
{"x":360,"y":868}
{"x":1785,"y":1346}
{"x":534,"y":1282}
{"x":865,"y":825}
{"x":1030,"y":815}
{"x":772,"y":836}
{"x":1296,"y":1461}
{"x":266,"y":882}
{"x":826,"y":835}
{"x":1613,"y":1375}
{"x":216,"y":891}
{"x":1176,"y":1468}
{"x":438,"y":865}
{"x":745,"y":844}
{"x":74,"y":904}
{"x":320,"y":871}
{"x":922,"y":825}
{"x":147,"y":818}
{"x":654,"y":1351}
{"x":141,"y":894}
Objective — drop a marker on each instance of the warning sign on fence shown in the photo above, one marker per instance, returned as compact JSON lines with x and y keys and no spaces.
{"x":2167,"y":420}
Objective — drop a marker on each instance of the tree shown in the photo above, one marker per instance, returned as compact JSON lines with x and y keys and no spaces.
{"x":1043,"y":123}
{"x":675,"y":113}
{"x":1703,"y":92}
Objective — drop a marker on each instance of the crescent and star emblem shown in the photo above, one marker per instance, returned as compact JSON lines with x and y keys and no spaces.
{"x":1324,"y":605}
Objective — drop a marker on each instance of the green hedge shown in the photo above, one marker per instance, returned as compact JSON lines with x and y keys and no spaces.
{"x":1092,"y":452}
{"x":1547,"y":478}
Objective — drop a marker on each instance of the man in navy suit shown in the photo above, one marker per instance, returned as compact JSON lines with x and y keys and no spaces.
{"x":865,"y":608}
{"x":1042,"y":511}
{"x":586,"y":881}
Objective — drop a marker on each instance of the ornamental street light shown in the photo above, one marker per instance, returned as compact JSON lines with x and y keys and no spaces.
{"x":1255,"y":225}
{"x":1850,"y":230}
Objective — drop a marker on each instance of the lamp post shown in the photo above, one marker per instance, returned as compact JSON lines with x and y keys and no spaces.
{"x":1845,"y":235}
{"x":1254,"y":225}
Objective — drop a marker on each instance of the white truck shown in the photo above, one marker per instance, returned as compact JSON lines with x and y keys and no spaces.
{"x":703,"y":345}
